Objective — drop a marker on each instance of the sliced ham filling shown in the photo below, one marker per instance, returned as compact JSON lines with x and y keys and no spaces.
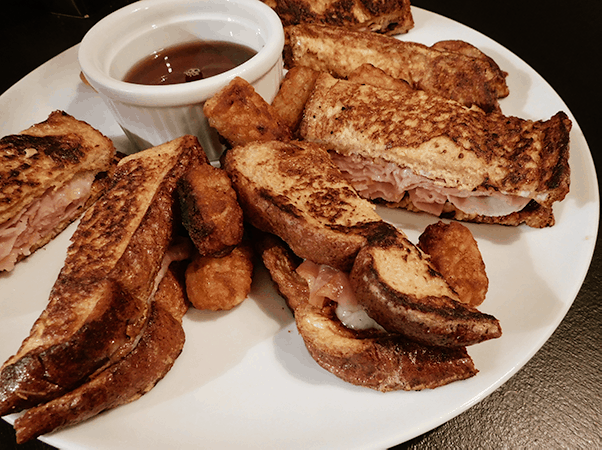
{"x":390,"y":182}
{"x":40,"y":218}
{"x":326,"y":283}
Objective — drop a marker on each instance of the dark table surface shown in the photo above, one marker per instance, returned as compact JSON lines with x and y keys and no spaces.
{"x":555,"y":400}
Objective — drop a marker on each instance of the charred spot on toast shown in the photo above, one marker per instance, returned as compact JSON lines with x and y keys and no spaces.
{"x":46,"y":157}
{"x":65,"y":149}
{"x":189,"y":210}
{"x":282,"y":202}
{"x":62,"y":150}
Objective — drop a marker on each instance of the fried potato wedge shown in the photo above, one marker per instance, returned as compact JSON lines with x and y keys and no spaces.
{"x":455,"y":254}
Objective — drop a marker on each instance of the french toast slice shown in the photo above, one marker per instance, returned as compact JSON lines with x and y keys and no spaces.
{"x":50,"y":174}
{"x":48,"y":155}
{"x":293,"y":190}
{"x":160,"y":343}
{"x":100,"y":302}
{"x":446,"y":71}
{"x":390,"y":17}
{"x":400,"y":289}
{"x":373,"y":359}
{"x":295,"y":89}
{"x":384,"y":362}
{"x":490,"y":164}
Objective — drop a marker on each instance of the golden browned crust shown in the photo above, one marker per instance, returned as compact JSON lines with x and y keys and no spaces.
{"x":401,"y":290}
{"x":241,"y":115}
{"x":455,"y":254}
{"x":210,"y":211}
{"x":454,"y":75}
{"x":379,"y":16}
{"x":171,"y":292}
{"x":294,"y":190}
{"x":465,"y":48}
{"x":125,"y":381}
{"x":372,"y":359}
{"x":452,"y":145}
{"x":384,"y":363}
{"x":117,"y":248}
{"x":48,"y":155}
{"x":49,"y":372}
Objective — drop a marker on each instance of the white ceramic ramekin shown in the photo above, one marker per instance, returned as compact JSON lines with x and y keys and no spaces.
{"x":152,"y":115}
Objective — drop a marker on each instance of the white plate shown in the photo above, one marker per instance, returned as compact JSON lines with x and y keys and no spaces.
{"x":244,"y":379}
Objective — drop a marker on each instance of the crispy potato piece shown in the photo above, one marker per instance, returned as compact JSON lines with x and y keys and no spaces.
{"x":455,"y":254}
{"x":220,"y":283}
{"x":210,"y":210}
{"x":240,"y":115}
{"x":292,"y":95}
{"x":368,"y":74}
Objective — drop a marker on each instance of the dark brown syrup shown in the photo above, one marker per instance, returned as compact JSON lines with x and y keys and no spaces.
{"x":188,"y":62}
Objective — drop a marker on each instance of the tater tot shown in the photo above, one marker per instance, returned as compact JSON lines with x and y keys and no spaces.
{"x":210,"y":210}
{"x":220,"y":283}
{"x":294,"y":91}
{"x":240,"y":115}
{"x":455,"y":254}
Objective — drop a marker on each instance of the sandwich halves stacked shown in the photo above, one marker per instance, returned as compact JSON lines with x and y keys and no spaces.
{"x":421,"y":128}
{"x":112,"y":325}
{"x":426,"y":153}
